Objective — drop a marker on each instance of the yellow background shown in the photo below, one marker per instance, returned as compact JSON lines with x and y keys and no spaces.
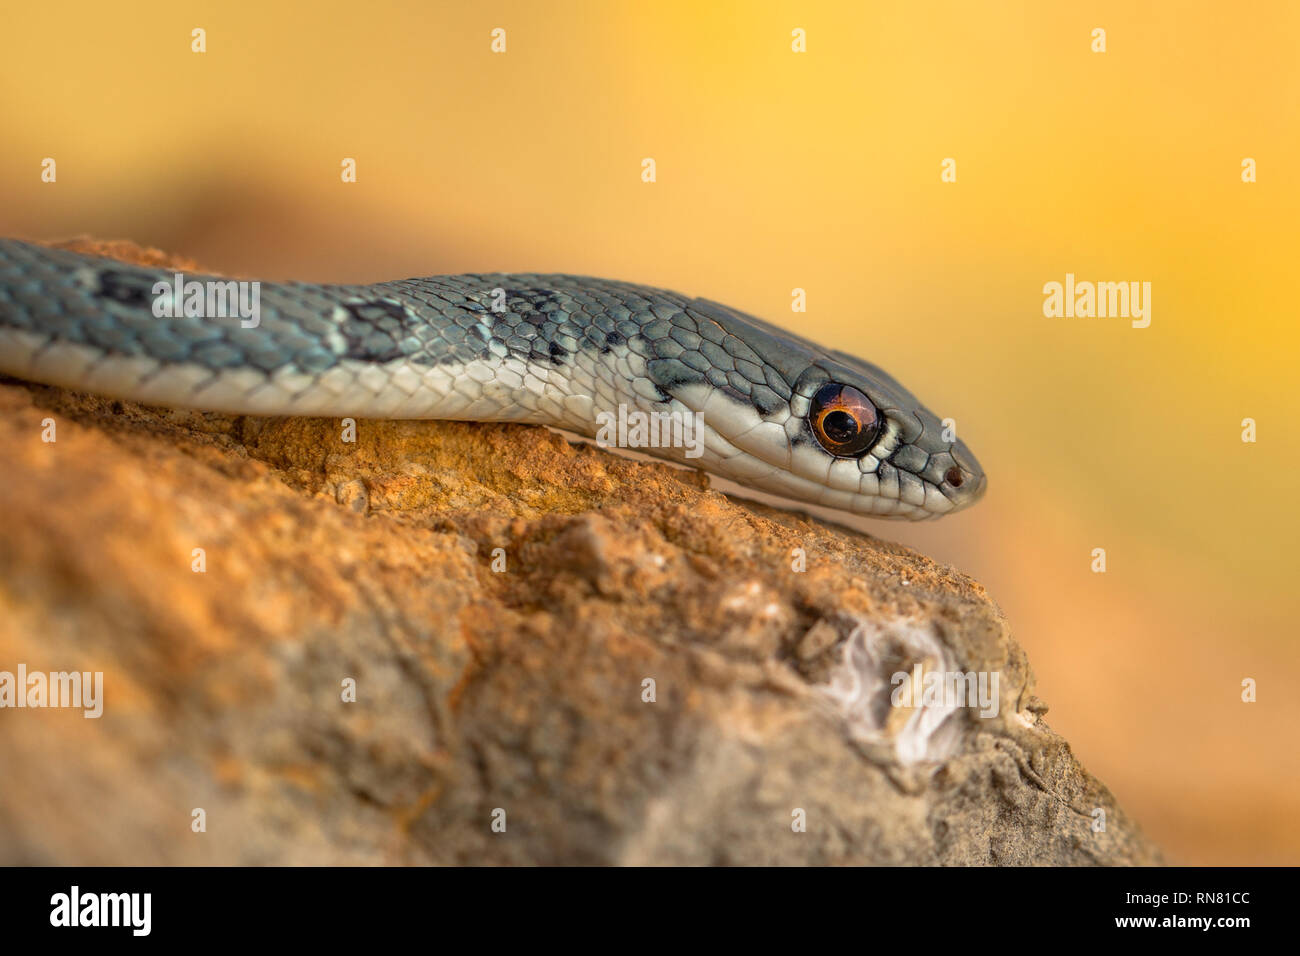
{"x":821,"y":171}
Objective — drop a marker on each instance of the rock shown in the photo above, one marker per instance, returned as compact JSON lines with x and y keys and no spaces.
{"x":618,"y":663}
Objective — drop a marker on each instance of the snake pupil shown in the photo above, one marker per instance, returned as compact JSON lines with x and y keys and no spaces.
{"x":843,"y":420}
{"x":840,"y":426}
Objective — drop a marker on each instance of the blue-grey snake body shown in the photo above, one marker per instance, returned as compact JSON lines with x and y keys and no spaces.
{"x":776,"y":412}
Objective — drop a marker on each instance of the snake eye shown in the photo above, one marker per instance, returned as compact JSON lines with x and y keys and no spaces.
{"x":844,"y":420}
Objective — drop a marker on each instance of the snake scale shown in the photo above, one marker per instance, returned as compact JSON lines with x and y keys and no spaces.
{"x":776,"y":412}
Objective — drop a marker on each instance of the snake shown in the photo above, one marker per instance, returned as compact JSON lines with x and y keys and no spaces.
{"x":772,"y":411}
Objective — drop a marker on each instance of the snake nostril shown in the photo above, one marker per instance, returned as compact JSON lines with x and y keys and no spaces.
{"x":954,"y":476}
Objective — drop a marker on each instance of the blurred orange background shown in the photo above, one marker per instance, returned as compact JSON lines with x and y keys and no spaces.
{"x":819,"y":170}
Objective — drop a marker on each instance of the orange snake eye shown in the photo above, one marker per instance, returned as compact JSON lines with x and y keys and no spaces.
{"x":844,"y":420}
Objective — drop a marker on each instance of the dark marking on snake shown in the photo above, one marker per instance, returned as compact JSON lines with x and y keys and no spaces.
{"x":375,"y":331}
{"x":526,"y":302}
{"x":127,"y":288}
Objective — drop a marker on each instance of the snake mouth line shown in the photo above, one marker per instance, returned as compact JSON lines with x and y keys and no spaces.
{"x":777,"y":454}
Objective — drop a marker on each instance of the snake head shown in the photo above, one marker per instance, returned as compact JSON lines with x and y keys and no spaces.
{"x":816,"y":425}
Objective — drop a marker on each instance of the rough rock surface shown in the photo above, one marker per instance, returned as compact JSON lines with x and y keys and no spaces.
{"x":486,"y":694}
